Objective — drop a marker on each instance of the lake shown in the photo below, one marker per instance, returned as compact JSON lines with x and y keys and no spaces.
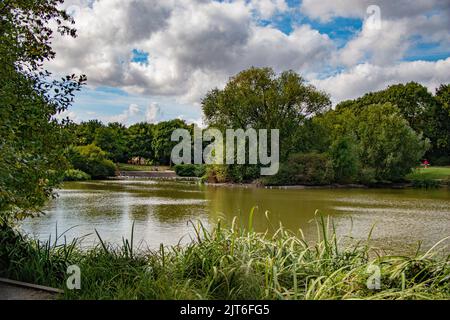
{"x":161,"y":211}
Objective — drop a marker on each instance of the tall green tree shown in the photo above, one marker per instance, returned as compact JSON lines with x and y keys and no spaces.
{"x":139,"y":140}
{"x":161,"y":142}
{"x":440,"y":127}
{"x":387,"y":143}
{"x":85,"y":132}
{"x":260,"y":99}
{"x":425,"y":113}
{"x":32,"y":141}
{"x":112,"y":139}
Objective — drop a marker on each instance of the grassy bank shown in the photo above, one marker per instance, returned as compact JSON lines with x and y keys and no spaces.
{"x":135,"y":167}
{"x":228,"y":263}
{"x":430,"y":173}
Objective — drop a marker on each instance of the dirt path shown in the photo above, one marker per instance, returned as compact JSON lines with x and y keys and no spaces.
{"x":11,"y":292}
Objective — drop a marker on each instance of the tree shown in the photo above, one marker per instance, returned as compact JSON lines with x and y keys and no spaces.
{"x":85,"y":132}
{"x":161,"y":143}
{"x":345,"y":159}
{"x":304,"y":168}
{"x":31,"y":140}
{"x":112,"y":139}
{"x":443,"y":96}
{"x":260,"y":99}
{"x":139,"y":140}
{"x":425,"y":114}
{"x":387,"y":143}
{"x":92,"y":160}
{"x":412,"y":99}
{"x":440,"y":127}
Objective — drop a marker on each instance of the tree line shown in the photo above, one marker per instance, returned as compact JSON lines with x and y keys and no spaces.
{"x":377,"y":138}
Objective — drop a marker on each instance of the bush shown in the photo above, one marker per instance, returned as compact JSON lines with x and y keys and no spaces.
{"x":304,"y":169}
{"x":190,"y":170}
{"x":92,"y":160}
{"x":76,"y":175}
{"x":440,"y":161}
{"x":217,"y":173}
{"x":243,"y":172}
{"x":367,"y":176}
{"x":387,"y":143}
{"x":345,"y":159}
{"x":425,"y":183}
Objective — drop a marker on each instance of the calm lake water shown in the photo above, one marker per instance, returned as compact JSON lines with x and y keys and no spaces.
{"x":161,"y":211}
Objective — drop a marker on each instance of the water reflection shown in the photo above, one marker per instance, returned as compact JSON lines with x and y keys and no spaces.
{"x":161,"y":211}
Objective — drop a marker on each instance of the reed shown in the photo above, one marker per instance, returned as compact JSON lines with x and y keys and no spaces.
{"x":235,"y":262}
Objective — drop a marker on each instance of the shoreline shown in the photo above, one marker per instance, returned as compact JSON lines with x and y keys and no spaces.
{"x":398,"y":185}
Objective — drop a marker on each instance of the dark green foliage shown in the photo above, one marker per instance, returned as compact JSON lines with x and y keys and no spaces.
{"x":426,"y":114}
{"x":139,"y":140}
{"x":227,"y":263}
{"x":304,"y":169}
{"x":146,"y":140}
{"x":29,"y":260}
{"x":92,"y":160}
{"x":31,"y":140}
{"x":376,"y":141}
{"x":76,"y":175}
{"x":161,"y":143}
{"x":387,"y":143}
{"x":112,"y":140}
{"x":85,"y":132}
{"x":425,"y":183}
{"x":244,"y":173}
{"x":345,"y":159}
{"x":259,"y":98}
{"x":190,"y":170}
{"x":440,"y":160}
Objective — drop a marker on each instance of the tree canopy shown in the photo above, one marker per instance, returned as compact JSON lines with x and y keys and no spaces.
{"x":425,"y":113}
{"x":260,"y":99}
{"x":31,"y":140}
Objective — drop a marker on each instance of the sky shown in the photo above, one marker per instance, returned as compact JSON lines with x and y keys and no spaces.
{"x":153,"y":60}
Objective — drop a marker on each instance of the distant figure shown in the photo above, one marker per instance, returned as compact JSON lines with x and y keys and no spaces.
{"x":425,"y":163}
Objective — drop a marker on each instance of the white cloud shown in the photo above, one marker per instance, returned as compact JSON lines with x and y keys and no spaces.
{"x":196,"y":45}
{"x":152,"y":113}
{"x":267,"y":8}
{"x":133,"y":109}
{"x":325,"y":10}
{"x":67,"y":114}
{"x":367,"y":77}
{"x":128,"y":116}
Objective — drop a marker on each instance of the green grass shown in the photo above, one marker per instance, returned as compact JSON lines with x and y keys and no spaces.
{"x":230,"y":263}
{"x":134,"y":167}
{"x":430,"y":173}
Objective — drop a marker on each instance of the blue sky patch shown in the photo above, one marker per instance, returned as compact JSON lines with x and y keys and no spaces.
{"x":140,"y":56}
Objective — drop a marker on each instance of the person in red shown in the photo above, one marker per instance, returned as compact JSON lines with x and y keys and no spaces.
{"x":425,"y":163}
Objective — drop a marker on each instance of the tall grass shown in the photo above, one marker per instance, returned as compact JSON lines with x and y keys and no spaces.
{"x":234,"y":262}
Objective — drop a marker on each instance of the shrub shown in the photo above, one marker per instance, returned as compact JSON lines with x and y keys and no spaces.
{"x":217,"y":173}
{"x":440,"y":161}
{"x":190,"y":170}
{"x":345,"y":159}
{"x":426,"y":183}
{"x":76,"y":175}
{"x":243,"y":172}
{"x":92,"y":160}
{"x":304,"y":168}
{"x":367,"y":176}
{"x":387,"y":143}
